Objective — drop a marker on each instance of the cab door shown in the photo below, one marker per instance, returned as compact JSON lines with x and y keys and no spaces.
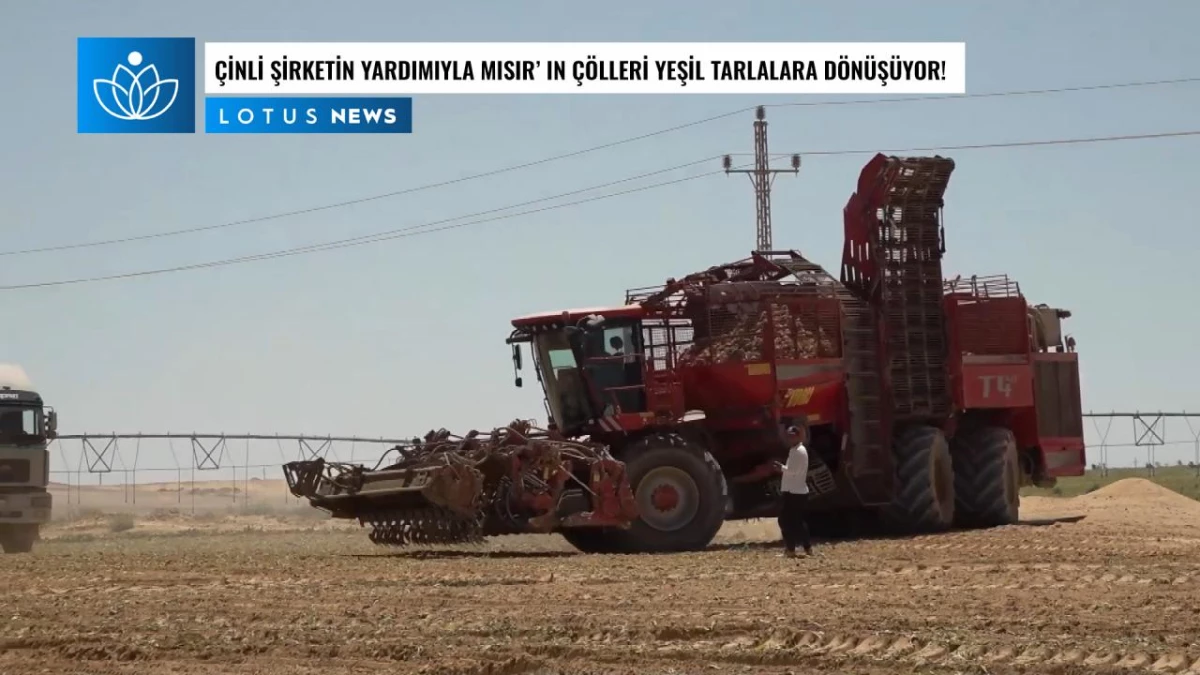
{"x":613,"y":362}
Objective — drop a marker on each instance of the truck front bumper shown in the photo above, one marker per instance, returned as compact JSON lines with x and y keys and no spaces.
{"x":25,"y":507}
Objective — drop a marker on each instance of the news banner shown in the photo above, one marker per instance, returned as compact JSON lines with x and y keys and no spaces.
{"x":150,"y":85}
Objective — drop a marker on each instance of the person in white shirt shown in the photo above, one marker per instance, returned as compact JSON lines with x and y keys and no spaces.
{"x":793,"y":516}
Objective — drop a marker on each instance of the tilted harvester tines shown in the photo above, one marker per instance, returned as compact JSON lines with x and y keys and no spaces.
{"x":447,"y":489}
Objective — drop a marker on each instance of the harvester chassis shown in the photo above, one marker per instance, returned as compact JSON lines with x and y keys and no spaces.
{"x":929,"y":402}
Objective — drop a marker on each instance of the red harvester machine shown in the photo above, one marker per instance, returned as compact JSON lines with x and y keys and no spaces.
{"x":929,"y":403}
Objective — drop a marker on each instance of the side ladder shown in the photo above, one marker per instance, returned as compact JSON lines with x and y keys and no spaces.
{"x":870,"y":451}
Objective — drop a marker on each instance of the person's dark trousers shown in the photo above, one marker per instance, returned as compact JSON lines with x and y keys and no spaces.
{"x":793,"y":522}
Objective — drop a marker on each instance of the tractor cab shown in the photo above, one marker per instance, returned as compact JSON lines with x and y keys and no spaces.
{"x":590,"y":363}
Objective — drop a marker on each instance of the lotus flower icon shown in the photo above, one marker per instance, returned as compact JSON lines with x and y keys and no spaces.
{"x":135,"y":96}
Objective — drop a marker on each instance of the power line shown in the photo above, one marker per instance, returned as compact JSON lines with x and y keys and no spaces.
{"x":414,"y":230}
{"x":1012,"y":144}
{"x":992,"y":94}
{"x":595,"y":148}
{"x":409,"y":231}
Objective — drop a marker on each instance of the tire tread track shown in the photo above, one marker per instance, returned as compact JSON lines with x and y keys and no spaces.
{"x":795,"y":648}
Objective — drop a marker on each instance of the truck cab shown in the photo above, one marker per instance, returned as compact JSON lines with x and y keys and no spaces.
{"x":26,"y":428}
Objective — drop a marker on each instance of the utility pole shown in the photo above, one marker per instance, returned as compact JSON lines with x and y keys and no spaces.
{"x":762,"y":176}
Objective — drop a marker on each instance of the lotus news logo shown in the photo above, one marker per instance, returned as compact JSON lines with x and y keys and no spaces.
{"x":137,"y":85}
{"x":138,"y":96}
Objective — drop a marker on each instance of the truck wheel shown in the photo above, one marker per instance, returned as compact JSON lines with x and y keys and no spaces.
{"x":987,"y":478}
{"x":923,"y":498}
{"x":18,"y":538}
{"x":680,"y":494}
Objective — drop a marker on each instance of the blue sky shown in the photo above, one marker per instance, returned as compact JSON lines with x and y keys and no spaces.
{"x":404,"y":336}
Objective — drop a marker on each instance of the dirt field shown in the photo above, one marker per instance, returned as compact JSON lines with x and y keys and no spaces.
{"x":1118,"y":590}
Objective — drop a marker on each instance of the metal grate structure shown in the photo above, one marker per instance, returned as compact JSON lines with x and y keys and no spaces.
{"x":990,"y":314}
{"x":892,"y":259}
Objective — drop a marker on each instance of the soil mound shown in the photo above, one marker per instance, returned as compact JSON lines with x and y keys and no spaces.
{"x":1139,"y":490}
{"x":1139,"y":504}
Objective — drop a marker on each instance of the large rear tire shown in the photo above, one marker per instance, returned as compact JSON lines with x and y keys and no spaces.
{"x":18,"y":538}
{"x":987,"y":478}
{"x":924,"y":490}
{"x":680,"y":493}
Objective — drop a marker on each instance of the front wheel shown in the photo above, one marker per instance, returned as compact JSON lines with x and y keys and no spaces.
{"x":18,"y":538}
{"x":680,"y":494}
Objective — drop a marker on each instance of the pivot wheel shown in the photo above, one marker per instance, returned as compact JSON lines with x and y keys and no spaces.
{"x":987,"y":478}
{"x":680,"y":494}
{"x":923,"y":498}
